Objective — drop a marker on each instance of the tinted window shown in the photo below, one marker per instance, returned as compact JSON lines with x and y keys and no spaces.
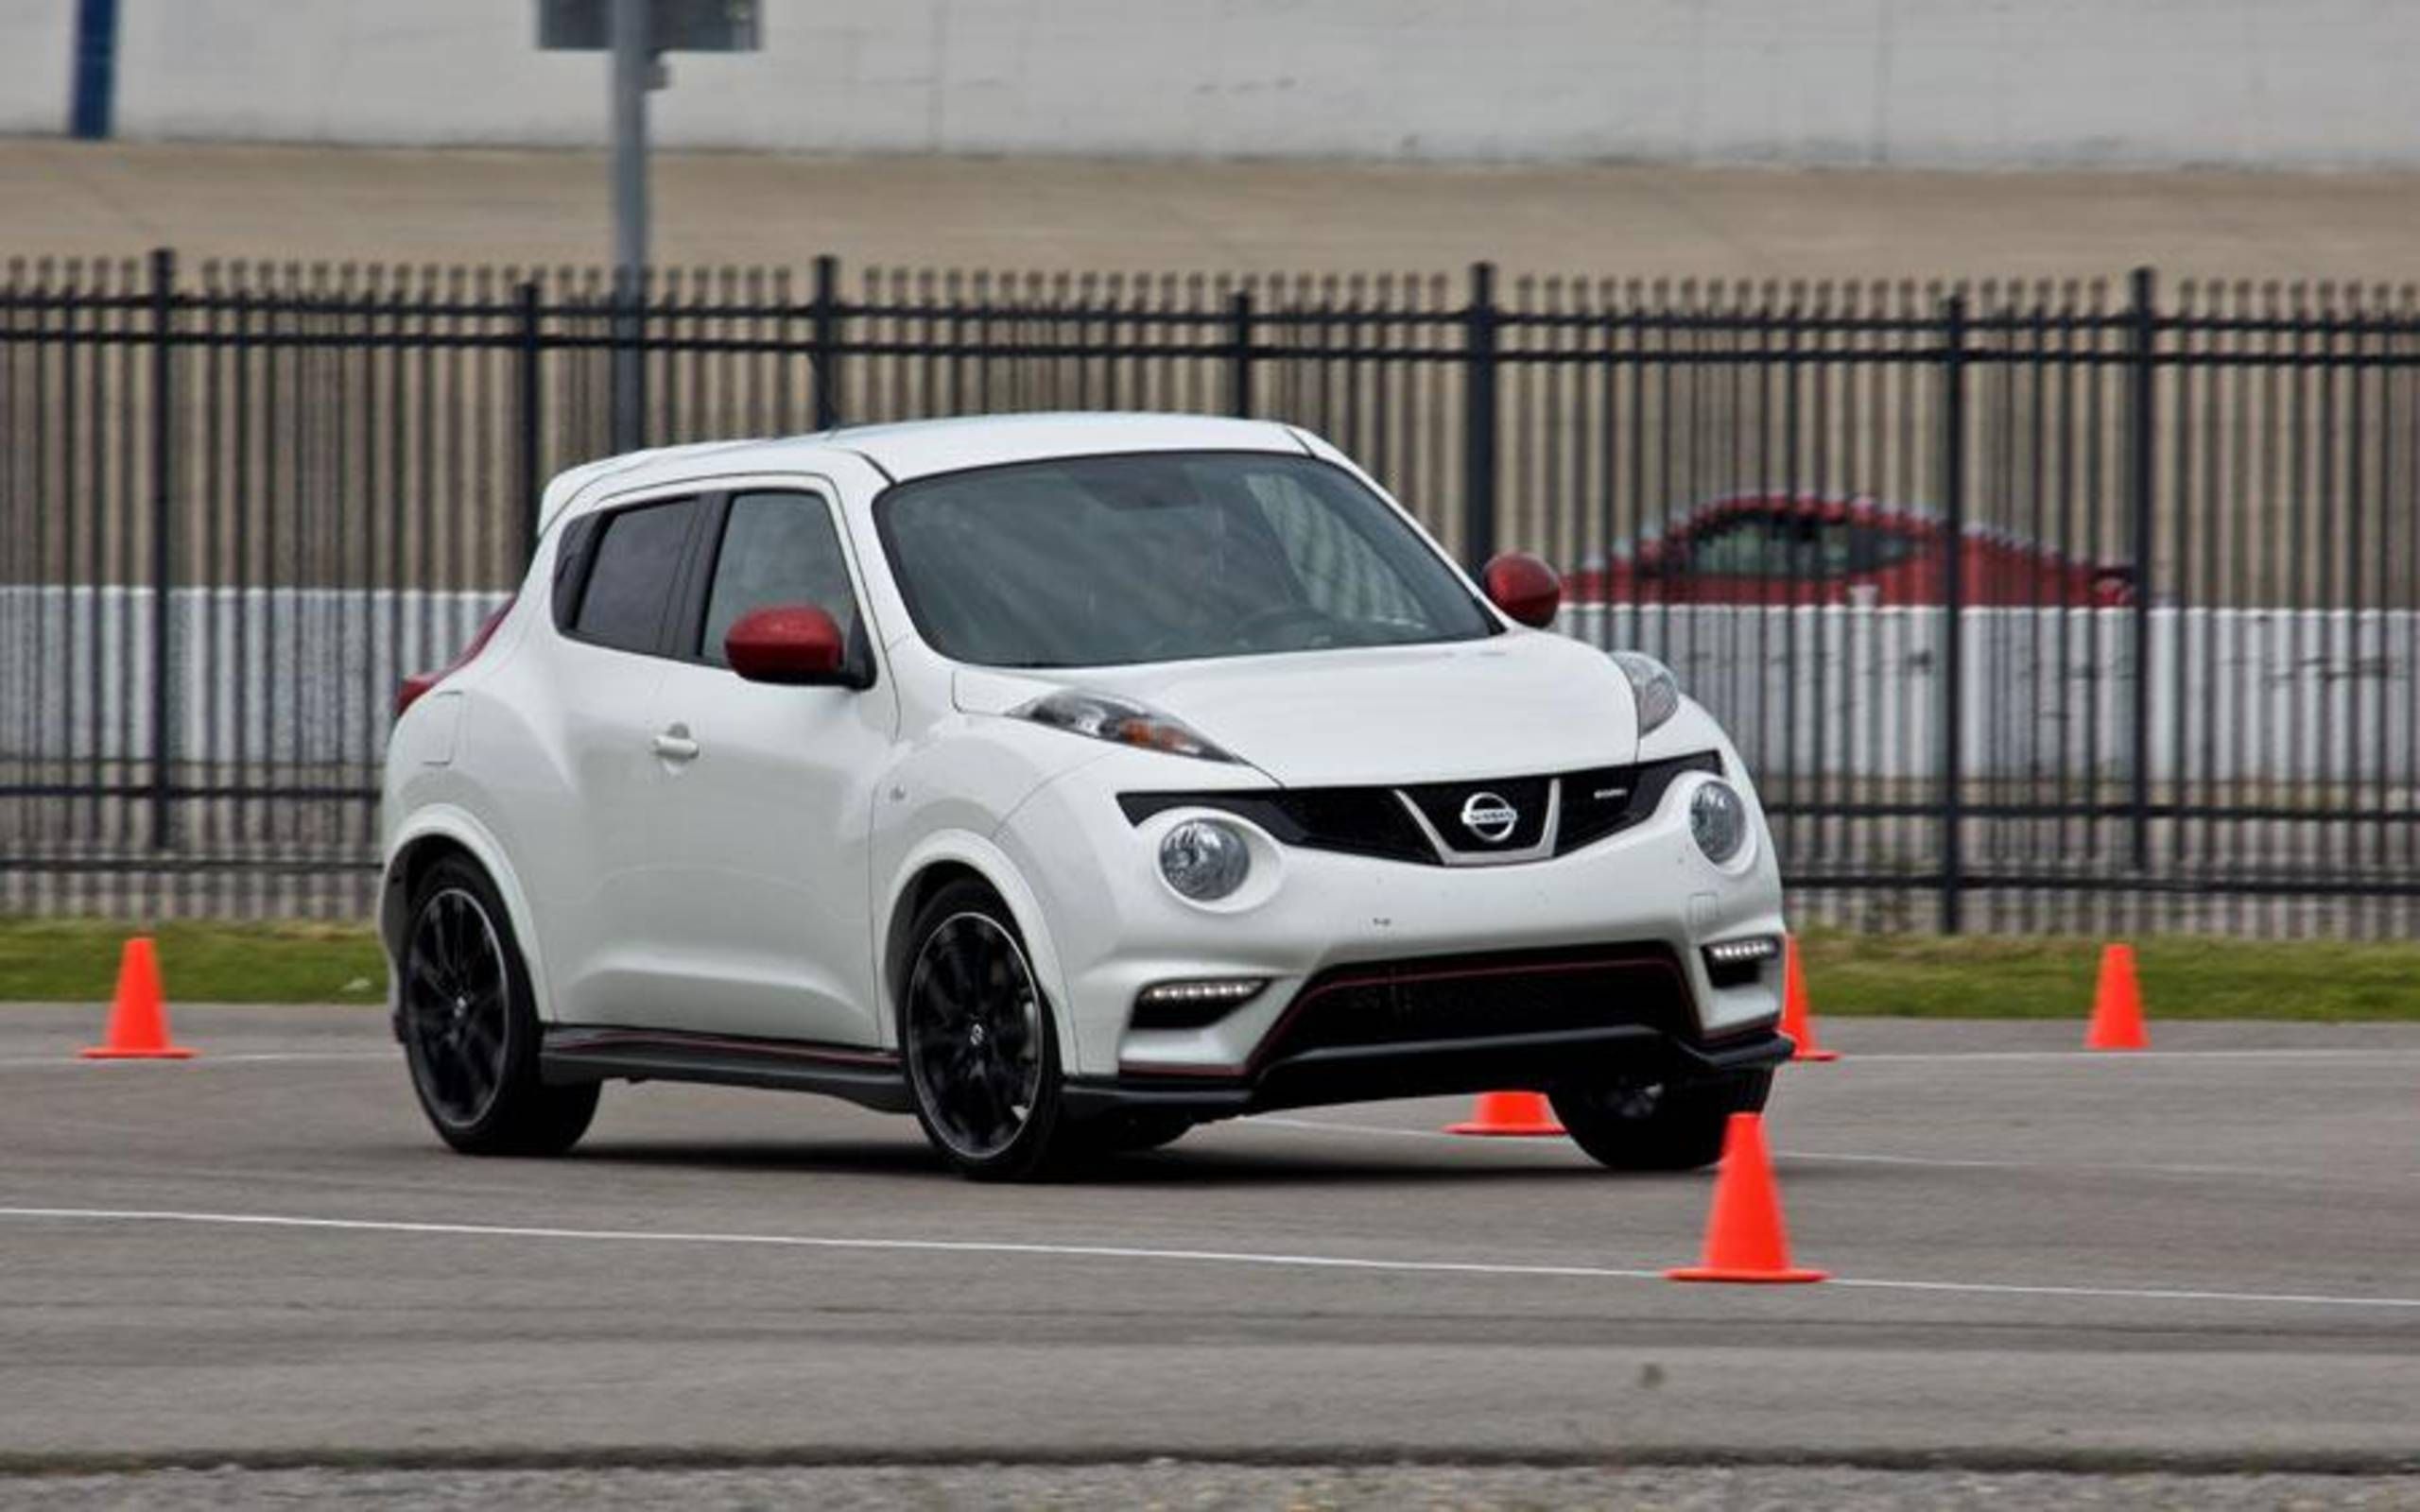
{"x":1163,"y":557}
{"x":1871,"y":548}
{"x":1767,"y":545}
{"x":631,"y":578}
{"x":570,"y":560}
{"x":777,"y":548}
{"x":1794,"y":546}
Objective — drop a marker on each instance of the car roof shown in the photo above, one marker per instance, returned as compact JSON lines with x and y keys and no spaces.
{"x":923,"y":448}
{"x":918,"y":449}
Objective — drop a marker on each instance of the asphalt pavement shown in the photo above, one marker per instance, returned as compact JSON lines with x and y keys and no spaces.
{"x":2202,"y":1258}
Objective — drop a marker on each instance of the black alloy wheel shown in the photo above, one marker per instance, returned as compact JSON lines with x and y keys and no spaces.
{"x":976,"y":1034}
{"x":456,"y":1006}
{"x":466,"y":1015}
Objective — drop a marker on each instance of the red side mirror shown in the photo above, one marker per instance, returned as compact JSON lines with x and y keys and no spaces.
{"x":793,"y":643}
{"x":1524,"y":588}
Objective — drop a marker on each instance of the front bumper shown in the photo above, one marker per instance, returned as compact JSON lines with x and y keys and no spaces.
{"x":1645,"y":893}
{"x":1416,"y":1069}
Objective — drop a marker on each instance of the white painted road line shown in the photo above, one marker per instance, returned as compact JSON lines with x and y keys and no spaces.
{"x":69,"y":1061}
{"x":2110,"y":1167}
{"x":1222,"y":1257}
{"x":1920,"y":1161}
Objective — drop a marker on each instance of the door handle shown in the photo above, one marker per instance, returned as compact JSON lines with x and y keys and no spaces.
{"x":673,"y":744}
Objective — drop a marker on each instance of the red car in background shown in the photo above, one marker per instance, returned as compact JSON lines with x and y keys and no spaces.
{"x":1766,"y":548}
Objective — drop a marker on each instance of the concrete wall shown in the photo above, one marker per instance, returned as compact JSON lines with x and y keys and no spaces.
{"x":306,"y":678}
{"x":2310,"y":699}
{"x":1961,"y":82}
{"x":37,"y":63}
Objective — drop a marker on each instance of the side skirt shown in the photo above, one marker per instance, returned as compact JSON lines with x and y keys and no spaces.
{"x":572,"y":1053}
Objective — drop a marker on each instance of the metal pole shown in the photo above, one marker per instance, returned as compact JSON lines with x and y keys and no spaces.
{"x":1953,"y":629}
{"x":1240,"y":394}
{"x":632,"y":55}
{"x":827,"y":355}
{"x":1479,"y":419}
{"x":2142,"y":486}
{"x":532,"y":359}
{"x":164,"y":535}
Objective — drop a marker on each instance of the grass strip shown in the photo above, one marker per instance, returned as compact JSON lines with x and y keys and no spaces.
{"x":75,"y":960}
{"x":1909,"y":975}
{"x":1933,"y":976}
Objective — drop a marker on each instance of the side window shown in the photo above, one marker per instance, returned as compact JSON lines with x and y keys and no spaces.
{"x":1771,"y":545}
{"x":777,"y":548}
{"x":629,"y":578}
{"x":571,"y":564}
{"x":1873,"y":548}
{"x":1738,"y":547}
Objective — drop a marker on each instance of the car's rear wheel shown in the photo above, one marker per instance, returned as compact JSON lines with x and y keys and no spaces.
{"x":1641,"y":1124}
{"x":469,"y":1023}
{"x":976,"y":1032}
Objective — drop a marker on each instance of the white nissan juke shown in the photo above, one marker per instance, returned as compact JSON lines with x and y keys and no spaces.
{"x":1067,"y":781}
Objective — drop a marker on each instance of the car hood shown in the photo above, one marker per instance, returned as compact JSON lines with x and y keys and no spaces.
{"x":1509,"y":705}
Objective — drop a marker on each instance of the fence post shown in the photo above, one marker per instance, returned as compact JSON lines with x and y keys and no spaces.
{"x":1239,"y":354}
{"x":531,"y":353}
{"x":631,"y":294}
{"x":164,"y":530}
{"x":1479,"y":419}
{"x":826,"y":353}
{"x":2143,"y":366}
{"x":1953,"y":649}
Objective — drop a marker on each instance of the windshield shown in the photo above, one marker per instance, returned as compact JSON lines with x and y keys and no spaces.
{"x":1162,"y":557}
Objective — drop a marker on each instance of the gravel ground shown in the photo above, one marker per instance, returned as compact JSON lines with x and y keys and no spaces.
{"x":1199,"y":1488}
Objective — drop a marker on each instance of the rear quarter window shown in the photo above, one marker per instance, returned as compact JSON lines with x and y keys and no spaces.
{"x":634,"y":562}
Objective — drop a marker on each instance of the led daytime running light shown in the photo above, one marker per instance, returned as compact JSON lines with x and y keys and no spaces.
{"x":1219,"y":990}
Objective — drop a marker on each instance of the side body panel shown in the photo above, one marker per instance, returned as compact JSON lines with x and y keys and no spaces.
{"x":758,"y":897}
{"x":555,"y":740}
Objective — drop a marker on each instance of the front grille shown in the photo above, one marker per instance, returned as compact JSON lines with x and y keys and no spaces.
{"x":1364,"y":821}
{"x":1608,"y":800}
{"x":1443,"y":998}
{"x":1448,"y":807}
{"x":1591,"y":804}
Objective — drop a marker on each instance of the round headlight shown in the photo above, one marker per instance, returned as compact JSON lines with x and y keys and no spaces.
{"x":1204,"y":859}
{"x":1717,"y":821}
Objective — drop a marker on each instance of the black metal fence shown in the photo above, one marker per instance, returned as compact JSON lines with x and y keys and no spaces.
{"x":2034,"y":605}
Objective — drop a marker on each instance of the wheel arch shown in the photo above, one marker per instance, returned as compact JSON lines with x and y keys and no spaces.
{"x":436,"y":832}
{"x":960,"y":856}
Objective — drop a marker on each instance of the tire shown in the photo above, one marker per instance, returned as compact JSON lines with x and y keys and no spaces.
{"x":469,"y":1023}
{"x":980,"y":1044}
{"x":1632,"y":1123}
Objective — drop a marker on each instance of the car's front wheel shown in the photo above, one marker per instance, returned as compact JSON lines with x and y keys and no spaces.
{"x":1633,"y":1122}
{"x":976,"y":1032}
{"x":469,"y":1023}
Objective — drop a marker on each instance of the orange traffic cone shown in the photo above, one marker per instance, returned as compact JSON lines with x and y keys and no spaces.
{"x":139,"y":1015}
{"x":1744,"y":1238}
{"x":2117,"y":1005}
{"x":1796,"y":1020}
{"x":1510,"y":1115}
